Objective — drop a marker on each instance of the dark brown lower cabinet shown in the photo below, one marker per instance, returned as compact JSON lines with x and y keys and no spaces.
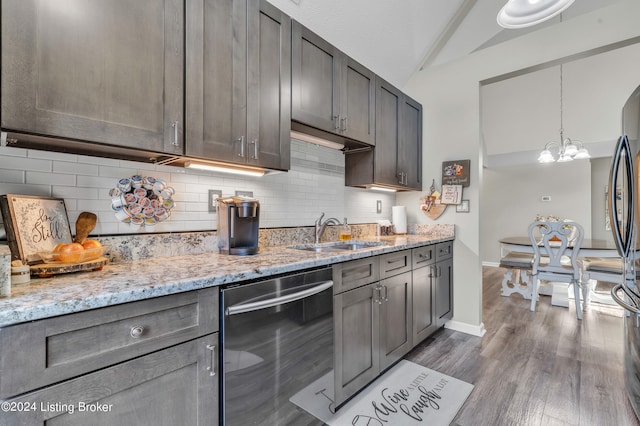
{"x":177,"y":385}
{"x":395,"y":319}
{"x":357,"y":355}
{"x":377,"y":322}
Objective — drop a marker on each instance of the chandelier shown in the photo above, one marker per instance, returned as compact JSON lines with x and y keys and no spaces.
{"x":568,"y":150}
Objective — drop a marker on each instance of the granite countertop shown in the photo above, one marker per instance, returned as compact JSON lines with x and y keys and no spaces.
{"x":129,"y":281}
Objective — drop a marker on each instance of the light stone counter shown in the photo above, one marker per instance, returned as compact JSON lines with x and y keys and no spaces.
{"x":5,"y":267}
{"x":127,"y":281}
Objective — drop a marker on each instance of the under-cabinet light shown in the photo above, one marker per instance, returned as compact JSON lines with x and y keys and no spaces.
{"x":246,"y":171}
{"x":381,"y":188}
{"x":316,"y":140}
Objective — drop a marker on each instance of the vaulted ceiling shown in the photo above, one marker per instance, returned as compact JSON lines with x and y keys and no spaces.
{"x":395,"y":38}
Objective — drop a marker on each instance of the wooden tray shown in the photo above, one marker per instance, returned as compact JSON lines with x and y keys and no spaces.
{"x":44,"y":270}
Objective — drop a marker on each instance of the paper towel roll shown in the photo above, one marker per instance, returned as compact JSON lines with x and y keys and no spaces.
{"x":399,"y":219}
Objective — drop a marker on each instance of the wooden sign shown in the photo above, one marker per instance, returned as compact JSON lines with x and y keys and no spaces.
{"x":456,"y":172}
{"x":34,"y":224}
{"x":451,"y":194}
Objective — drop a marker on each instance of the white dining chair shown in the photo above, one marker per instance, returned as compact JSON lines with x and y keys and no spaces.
{"x":555,"y":258}
{"x":607,"y":270}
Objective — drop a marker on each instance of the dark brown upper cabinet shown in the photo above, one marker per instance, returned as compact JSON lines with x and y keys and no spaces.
{"x":396,"y":160}
{"x":332,"y":96}
{"x":238,"y":82}
{"x":100,"y":71}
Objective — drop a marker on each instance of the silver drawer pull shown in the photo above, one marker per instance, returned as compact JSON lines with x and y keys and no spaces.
{"x":137,"y":331}
{"x":212,"y":366}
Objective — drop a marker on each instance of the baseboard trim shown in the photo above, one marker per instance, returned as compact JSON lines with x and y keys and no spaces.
{"x":474,"y":330}
{"x":496,"y":264}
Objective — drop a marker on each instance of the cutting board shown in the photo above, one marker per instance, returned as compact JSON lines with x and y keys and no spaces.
{"x":436,"y":211}
{"x":45,"y":270}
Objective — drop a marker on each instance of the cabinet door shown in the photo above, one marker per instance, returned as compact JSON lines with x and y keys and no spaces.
{"x":178,"y":385}
{"x":357,"y":357}
{"x":410,"y":145}
{"x":388,"y":101}
{"x":444,"y":291}
{"x":106,"y":71}
{"x":395,"y":319}
{"x":357,"y":110}
{"x":423,"y":319}
{"x":216,"y":79}
{"x":315,"y":80}
{"x":269,"y":86}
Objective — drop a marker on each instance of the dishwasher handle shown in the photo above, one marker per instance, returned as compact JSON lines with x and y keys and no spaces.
{"x":269,"y":303}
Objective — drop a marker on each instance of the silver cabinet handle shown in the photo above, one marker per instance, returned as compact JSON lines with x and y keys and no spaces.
{"x":136,"y":331}
{"x":432,"y":272}
{"x":211,"y":368}
{"x":336,"y":122}
{"x":386,"y":293}
{"x":240,"y":140}
{"x":255,"y":149}
{"x":175,"y":142}
{"x":344,"y":124}
{"x":378,"y":299}
{"x":269,"y":303}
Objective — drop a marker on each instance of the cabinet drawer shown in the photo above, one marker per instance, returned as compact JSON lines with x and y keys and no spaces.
{"x":173,"y":386}
{"x":58,"y":348}
{"x":356,"y":273}
{"x":423,"y":256}
{"x":395,"y":263}
{"x":444,"y":250}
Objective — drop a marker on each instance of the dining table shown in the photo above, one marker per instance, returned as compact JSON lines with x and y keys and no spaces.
{"x":559,"y":292}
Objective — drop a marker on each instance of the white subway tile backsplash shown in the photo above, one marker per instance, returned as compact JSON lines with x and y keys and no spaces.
{"x":47,"y":155}
{"x":116,"y":172}
{"x":13,"y":152}
{"x":315,"y":184}
{"x":12,"y":176}
{"x":74,"y":192}
{"x":25,"y":189}
{"x":23,"y":163}
{"x":75,"y":168}
{"x":50,"y":178}
{"x":103,"y":183}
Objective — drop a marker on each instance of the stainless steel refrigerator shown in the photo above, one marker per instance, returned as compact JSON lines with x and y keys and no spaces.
{"x":624,"y":216}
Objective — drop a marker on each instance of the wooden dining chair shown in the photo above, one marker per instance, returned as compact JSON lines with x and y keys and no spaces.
{"x":555,"y":257}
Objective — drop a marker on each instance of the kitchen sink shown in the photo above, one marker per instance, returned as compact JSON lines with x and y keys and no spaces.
{"x":338,"y":246}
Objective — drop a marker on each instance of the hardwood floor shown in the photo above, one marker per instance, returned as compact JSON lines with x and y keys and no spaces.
{"x":535,"y":368}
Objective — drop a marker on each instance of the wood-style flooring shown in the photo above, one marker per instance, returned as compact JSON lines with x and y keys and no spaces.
{"x":535,"y":368}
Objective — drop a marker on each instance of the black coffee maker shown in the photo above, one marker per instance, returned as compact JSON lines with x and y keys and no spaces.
{"x":238,"y":219}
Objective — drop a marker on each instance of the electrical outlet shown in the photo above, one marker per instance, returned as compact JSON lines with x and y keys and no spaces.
{"x":214,"y":194}
{"x":546,"y":198}
{"x":379,"y":206}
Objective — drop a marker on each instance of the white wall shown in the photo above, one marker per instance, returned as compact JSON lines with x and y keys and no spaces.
{"x":512,"y":199}
{"x":314,"y":184}
{"x":450,"y":98}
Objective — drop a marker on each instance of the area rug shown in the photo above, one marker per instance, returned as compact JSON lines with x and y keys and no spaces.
{"x":407,"y":394}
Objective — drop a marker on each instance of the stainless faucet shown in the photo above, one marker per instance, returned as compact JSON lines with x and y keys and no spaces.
{"x":320,"y":226}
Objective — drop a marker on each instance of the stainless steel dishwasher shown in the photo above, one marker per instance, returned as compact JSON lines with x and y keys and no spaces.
{"x":277,"y":338}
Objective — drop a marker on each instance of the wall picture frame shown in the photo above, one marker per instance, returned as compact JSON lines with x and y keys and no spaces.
{"x":463,"y":207}
{"x":34,"y":224}
{"x":451,"y":194}
{"x":456,"y":172}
